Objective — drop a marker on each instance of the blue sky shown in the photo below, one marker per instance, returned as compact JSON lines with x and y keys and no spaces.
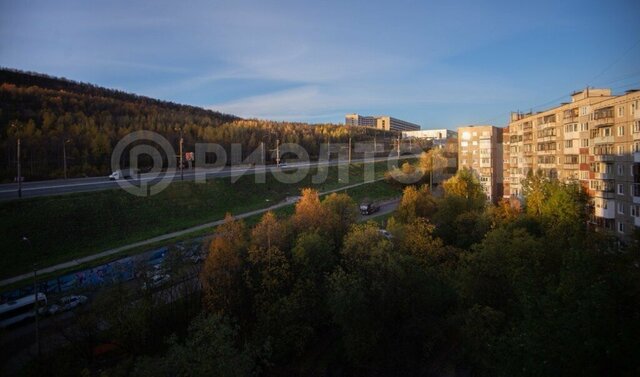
{"x":435,"y":63}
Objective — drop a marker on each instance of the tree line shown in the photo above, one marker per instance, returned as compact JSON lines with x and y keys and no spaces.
{"x":56,"y":117}
{"x":457,"y":287}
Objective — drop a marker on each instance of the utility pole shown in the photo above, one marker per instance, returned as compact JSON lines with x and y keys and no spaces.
{"x":278,"y":153}
{"x":64,"y":156}
{"x":37,"y":305}
{"x":181,"y":154}
{"x":375,"y":145}
{"x":13,"y":125}
{"x":398,"y":148}
{"x":262,"y":155}
{"x":349,"y":149}
{"x":19,"y":172}
{"x":328,"y":149}
{"x":431,"y":174}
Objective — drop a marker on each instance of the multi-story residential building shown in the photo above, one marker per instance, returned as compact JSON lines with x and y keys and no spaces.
{"x":480,"y":149}
{"x":506,"y":164}
{"x":382,"y":122}
{"x":594,"y":139}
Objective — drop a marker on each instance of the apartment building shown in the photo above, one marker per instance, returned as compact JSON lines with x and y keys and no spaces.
{"x":594,"y":139}
{"x":480,"y":149}
{"x":382,"y":122}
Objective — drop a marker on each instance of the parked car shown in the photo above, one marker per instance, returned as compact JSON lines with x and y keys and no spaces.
{"x":67,"y":303}
{"x":155,"y":281}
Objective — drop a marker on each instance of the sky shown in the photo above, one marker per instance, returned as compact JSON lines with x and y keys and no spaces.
{"x":440,"y":64}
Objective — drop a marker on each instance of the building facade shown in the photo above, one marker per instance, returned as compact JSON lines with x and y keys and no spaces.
{"x":382,"y":122}
{"x":480,"y":149}
{"x":359,"y":120}
{"x":595,"y":140}
{"x":437,"y":138}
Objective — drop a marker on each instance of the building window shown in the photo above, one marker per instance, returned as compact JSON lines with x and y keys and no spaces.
{"x":636,"y":126}
{"x":620,"y":227}
{"x":584,"y":175}
{"x":620,"y":169}
{"x":620,"y":150}
{"x":568,"y":143}
{"x":584,"y":126}
{"x":636,"y":146}
{"x":620,"y":111}
{"x":585,"y":143}
{"x":620,"y":207}
{"x":620,"y":189}
{"x":635,"y":210}
{"x":620,"y":130}
{"x":583,"y":110}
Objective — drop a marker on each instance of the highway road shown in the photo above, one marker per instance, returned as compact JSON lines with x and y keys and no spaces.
{"x":60,"y":186}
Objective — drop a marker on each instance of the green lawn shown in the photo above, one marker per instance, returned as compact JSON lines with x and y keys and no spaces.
{"x":70,"y":226}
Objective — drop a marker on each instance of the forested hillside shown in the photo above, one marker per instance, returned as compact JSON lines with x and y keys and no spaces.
{"x":49,"y":111}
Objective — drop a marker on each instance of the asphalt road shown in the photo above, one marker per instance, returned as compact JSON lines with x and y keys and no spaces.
{"x":60,"y":186}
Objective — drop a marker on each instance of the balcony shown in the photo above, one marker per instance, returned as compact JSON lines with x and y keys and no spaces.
{"x":603,"y":176}
{"x":571,"y":166}
{"x":607,"y":213}
{"x":603,"y":157}
{"x":603,"y":139}
{"x":604,"y":121}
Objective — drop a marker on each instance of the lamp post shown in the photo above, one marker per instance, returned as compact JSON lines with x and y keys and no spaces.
{"x":64,"y":155}
{"x":13,"y":125}
{"x":181,"y":154}
{"x":35,"y":296}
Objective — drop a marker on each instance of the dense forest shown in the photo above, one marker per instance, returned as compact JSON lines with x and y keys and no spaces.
{"x":457,"y":287}
{"x":54,"y":117}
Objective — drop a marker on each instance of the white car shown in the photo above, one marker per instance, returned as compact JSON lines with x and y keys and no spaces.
{"x":67,"y":303}
{"x":155,"y":281}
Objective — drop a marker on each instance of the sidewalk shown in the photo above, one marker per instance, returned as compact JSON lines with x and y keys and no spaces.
{"x":78,"y":262}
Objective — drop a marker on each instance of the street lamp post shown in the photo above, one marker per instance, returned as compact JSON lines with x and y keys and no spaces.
{"x":64,"y":156}
{"x":181,"y":154}
{"x":36,"y":303}
{"x":19,"y":172}
{"x":13,"y":125}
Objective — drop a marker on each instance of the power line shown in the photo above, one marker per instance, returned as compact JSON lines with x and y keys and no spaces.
{"x":636,"y":43}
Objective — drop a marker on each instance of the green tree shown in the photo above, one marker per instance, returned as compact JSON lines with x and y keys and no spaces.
{"x":213,"y":347}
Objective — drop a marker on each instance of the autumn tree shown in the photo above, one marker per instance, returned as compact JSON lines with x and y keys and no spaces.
{"x":535,"y":189}
{"x":270,"y":232}
{"x":415,"y":203}
{"x":465,"y":185}
{"x":309,"y":214}
{"x":222,"y":275}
